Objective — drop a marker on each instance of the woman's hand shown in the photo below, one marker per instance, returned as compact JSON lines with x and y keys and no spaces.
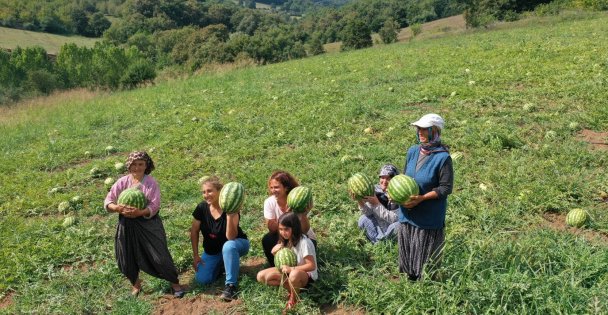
{"x":373,"y":200}
{"x":413,"y":201}
{"x":286,"y":269}
{"x":276,"y":248}
{"x":197,"y":260}
{"x":131,"y":212}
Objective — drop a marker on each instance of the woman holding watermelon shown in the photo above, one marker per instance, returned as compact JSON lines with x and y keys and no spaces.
{"x":379,"y":214}
{"x":422,"y":217}
{"x":280,"y":184}
{"x":224,"y":242}
{"x":140,"y":242}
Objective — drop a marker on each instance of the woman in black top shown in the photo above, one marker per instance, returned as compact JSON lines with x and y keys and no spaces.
{"x":224,"y":242}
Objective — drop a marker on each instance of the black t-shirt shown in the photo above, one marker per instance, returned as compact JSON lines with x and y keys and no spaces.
{"x":213,"y":231}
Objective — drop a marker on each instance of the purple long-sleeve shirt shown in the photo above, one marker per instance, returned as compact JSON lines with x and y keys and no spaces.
{"x":148,"y":186}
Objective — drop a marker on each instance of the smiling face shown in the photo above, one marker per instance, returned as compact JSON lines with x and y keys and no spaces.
{"x":277,"y":189}
{"x":285,"y":232}
{"x":210,"y":193}
{"x":138,"y":168}
{"x":384,"y":180}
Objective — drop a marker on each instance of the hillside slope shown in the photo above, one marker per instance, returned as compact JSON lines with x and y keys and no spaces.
{"x":10,"y":38}
{"x":516,"y":102}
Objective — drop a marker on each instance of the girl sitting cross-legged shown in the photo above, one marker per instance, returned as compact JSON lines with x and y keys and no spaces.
{"x":305,"y":271}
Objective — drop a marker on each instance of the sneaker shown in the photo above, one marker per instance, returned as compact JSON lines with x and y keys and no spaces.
{"x":229,"y":292}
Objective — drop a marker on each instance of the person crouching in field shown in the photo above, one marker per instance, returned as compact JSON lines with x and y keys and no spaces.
{"x":305,"y":271}
{"x":421,"y":232}
{"x":140,"y":242}
{"x":224,"y":242}
{"x":280,"y":184}
{"x":379,"y":217}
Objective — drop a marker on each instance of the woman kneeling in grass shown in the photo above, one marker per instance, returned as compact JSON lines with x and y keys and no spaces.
{"x":305,"y":271}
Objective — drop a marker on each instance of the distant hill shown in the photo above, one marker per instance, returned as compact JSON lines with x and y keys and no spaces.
{"x":10,"y":38}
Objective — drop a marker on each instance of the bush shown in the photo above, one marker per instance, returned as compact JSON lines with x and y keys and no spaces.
{"x":389,"y":31}
{"x":416,"y":29}
{"x":42,"y":81}
{"x":141,"y":71}
{"x":356,"y":34}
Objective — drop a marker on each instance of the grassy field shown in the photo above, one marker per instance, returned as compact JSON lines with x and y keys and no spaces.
{"x":11,"y":38}
{"x":517,"y":101}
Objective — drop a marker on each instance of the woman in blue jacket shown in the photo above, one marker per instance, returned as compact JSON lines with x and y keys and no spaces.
{"x":422,"y":217}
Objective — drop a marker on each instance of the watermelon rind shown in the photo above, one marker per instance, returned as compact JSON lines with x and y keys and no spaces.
{"x":401,"y":187}
{"x":285,"y":257}
{"x":360,"y":185}
{"x":232,"y":196}
{"x":299,"y":199}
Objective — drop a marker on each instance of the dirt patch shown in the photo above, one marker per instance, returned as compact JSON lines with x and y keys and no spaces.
{"x":341,"y":310}
{"x":207,"y":301}
{"x":7,"y":300}
{"x":596,"y":140}
{"x":557,"y":221}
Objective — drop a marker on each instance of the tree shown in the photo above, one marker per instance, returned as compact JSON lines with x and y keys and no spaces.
{"x":98,"y":24}
{"x":356,"y":34}
{"x":80,"y":21}
{"x":389,"y":31}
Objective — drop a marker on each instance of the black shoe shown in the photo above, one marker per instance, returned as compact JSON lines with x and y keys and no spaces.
{"x":229,"y":292}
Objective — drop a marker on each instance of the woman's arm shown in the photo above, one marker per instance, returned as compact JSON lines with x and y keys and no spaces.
{"x":382,"y":213}
{"x":273,"y":225}
{"x":194,"y":232}
{"x":232,"y":225}
{"x":307,"y":266}
{"x":446,"y":179}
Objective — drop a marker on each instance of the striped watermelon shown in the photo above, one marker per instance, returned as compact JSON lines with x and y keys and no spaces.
{"x":232,"y":196}
{"x":69,"y":221}
{"x":360,"y":185}
{"x":401,"y":187}
{"x":576,"y":217}
{"x":285,"y":257}
{"x":132,"y":197}
{"x":299,"y":198}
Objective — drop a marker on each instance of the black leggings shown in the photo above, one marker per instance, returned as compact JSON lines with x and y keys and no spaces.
{"x":269,"y":240}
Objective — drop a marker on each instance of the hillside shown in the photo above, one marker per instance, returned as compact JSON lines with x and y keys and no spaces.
{"x":10,"y":38}
{"x":525,"y":105}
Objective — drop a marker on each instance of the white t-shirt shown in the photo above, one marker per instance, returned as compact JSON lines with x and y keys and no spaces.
{"x":272,"y":211}
{"x":303,"y":249}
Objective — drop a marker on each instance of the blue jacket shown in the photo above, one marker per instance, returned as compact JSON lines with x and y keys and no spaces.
{"x":429,"y":214}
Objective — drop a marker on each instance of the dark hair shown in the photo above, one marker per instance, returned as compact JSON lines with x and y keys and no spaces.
{"x":288,"y":181}
{"x":291,"y":221}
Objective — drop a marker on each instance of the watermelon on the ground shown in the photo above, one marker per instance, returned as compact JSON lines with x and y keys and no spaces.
{"x":360,"y":185}
{"x":285,"y":257}
{"x":64,"y":206}
{"x":69,"y":221}
{"x":132,"y":197}
{"x":577,"y":217}
{"x":232,"y":196}
{"x":299,"y":199}
{"x":401,"y":187}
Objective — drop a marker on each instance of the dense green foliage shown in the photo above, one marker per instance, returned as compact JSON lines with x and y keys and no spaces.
{"x":509,"y":104}
{"x":83,"y":17}
{"x":30,"y":71}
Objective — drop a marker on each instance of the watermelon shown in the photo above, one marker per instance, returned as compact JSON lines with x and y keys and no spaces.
{"x":285,"y":257}
{"x":119,"y":166}
{"x":360,"y":185}
{"x":401,"y":187}
{"x":232,"y":196}
{"x":576,"y":217}
{"x":132,"y":197}
{"x":299,"y":198}
{"x":109,"y":182}
{"x":64,"y":206}
{"x":95,"y":172}
{"x":110,"y":149}
{"x":69,"y":221}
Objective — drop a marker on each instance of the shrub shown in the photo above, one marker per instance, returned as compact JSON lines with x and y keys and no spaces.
{"x":140,"y":71}
{"x":389,"y":31}
{"x":416,"y":29}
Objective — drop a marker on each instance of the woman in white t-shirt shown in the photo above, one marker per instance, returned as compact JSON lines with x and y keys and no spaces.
{"x":305,"y":270}
{"x":280,"y":184}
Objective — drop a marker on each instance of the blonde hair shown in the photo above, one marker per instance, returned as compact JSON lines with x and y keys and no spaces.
{"x":213,"y":181}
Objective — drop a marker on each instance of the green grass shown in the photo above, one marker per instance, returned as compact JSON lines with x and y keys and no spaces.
{"x":11,"y":38}
{"x":304,"y":116}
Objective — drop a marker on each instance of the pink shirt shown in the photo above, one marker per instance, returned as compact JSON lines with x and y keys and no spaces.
{"x":148,"y":186}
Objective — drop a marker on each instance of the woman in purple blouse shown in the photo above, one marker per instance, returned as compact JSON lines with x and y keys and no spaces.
{"x":140,"y":242}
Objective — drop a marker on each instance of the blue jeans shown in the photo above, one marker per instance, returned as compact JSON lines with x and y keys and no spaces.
{"x":374,"y":231}
{"x":209,"y":270}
